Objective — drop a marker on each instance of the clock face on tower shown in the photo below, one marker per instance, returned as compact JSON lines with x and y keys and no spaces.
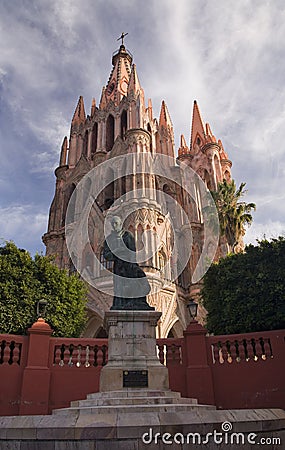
{"x":124,"y":85}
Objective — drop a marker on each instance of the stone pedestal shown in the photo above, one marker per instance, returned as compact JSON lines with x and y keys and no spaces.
{"x":132,"y":354}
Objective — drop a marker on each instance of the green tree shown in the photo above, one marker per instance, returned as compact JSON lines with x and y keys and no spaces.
{"x":24,"y":281}
{"x":233,"y":213}
{"x":245,"y":292}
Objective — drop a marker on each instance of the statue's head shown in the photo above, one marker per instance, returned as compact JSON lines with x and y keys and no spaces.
{"x":116,"y":223}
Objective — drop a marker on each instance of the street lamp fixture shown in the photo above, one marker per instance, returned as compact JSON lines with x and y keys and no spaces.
{"x":41,"y":307}
{"x":193,"y":308}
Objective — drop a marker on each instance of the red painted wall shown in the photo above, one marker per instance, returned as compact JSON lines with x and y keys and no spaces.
{"x":11,"y":371}
{"x":39,"y":373}
{"x":254,"y":378}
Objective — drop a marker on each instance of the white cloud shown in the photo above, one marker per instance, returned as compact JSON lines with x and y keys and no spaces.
{"x":269,"y":229}
{"x":228,"y":55}
{"x":24,"y":225}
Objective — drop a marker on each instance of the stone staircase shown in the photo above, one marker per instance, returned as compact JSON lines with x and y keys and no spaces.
{"x":133,"y":401}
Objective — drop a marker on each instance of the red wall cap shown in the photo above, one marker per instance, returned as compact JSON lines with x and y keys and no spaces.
{"x":41,"y":327}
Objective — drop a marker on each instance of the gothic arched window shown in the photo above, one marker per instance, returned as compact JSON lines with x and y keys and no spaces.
{"x":94,"y":138}
{"x":85,"y":144}
{"x":207,"y":179}
{"x":149,"y":130}
{"x":124,"y":123}
{"x":70,"y":203}
{"x":217,"y":168}
{"x":86,"y":190}
{"x":161,"y":261}
{"x":110,"y":132}
{"x":109,"y":191}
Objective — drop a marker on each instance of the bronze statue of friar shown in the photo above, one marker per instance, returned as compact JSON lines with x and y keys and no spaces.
{"x":131,"y":285}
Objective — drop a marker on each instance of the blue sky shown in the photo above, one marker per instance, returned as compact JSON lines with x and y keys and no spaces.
{"x":228,"y":55}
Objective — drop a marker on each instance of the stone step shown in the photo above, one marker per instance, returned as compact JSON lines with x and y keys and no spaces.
{"x":129,"y":409}
{"x":108,"y":401}
{"x":132,"y":392}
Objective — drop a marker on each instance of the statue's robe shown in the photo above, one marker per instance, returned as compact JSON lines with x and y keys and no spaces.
{"x":130,"y":282}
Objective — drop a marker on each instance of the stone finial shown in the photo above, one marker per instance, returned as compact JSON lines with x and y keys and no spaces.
{"x":40,"y":326}
{"x":93,"y":107}
{"x":183,"y":149}
{"x":79,"y":115}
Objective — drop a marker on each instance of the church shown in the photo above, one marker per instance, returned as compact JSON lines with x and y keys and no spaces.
{"x":123,"y":123}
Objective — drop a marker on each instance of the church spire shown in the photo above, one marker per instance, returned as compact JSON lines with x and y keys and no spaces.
{"x":79,"y":115}
{"x":117,"y":86}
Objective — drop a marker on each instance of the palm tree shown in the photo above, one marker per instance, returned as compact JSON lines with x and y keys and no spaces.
{"x":233,"y":214}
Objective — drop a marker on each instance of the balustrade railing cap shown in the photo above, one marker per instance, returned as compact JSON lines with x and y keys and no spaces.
{"x":40,"y":326}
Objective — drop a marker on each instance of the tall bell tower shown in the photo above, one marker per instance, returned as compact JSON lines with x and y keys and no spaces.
{"x":123,"y":124}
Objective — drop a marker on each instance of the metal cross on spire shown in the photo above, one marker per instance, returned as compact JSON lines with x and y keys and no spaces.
{"x":123,"y":35}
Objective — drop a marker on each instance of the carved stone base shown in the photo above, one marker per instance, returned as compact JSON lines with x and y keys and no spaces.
{"x":132,"y":354}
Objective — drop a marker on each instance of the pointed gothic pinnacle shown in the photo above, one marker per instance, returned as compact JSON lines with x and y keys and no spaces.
{"x":164,"y":117}
{"x":183,"y":149}
{"x":198,"y":126}
{"x":79,"y":114}
{"x":63,"y":152}
{"x":208,"y":130}
{"x":210,"y":136}
{"x":149,"y":107}
{"x":134,"y":82}
{"x":223,"y":154}
{"x":93,"y":107}
{"x":64,"y":143}
{"x":183,"y":141}
{"x":103,"y":101}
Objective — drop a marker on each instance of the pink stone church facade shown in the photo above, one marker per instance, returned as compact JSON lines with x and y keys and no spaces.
{"x":120,"y":124}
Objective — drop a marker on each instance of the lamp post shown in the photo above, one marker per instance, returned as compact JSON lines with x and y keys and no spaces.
{"x":199,"y":379}
{"x":193,"y":309}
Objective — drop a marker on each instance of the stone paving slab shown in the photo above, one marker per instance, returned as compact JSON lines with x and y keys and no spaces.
{"x":74,"y":426}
